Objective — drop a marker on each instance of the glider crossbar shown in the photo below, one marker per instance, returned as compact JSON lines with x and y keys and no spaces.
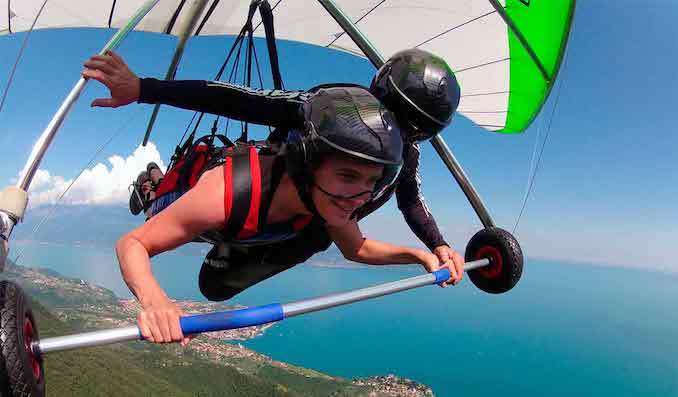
{"x":258,"y":315}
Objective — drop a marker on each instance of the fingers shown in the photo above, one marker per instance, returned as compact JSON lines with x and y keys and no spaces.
{"x":124,"y":86}
{"x":117,"y":58}
{"x":456,"y":272}
{"x":97,"y":75}
{"x":163,"y":323}
{"x":438,"y":265}
{"x":150,"y":330}
{"x":445,"y":264}
{"x":104,"y":103}
{"x":110,"y":62}
{"x":151,"y":321}
{"x":144,"y":328}
{"x":451,"y":260}
{"x":161,"y":326}
{"x":107,"y":57}
{"x":456,"y":267}
{"x":97,"y":63}
{"x":441,"y":252}
{"x":175,"y":329}
{"x":453,"y":274}
{"x":459,"y":265}
{"x":444,"y":256}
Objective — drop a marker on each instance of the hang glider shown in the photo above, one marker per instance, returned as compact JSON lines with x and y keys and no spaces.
{"x":505,"y":53}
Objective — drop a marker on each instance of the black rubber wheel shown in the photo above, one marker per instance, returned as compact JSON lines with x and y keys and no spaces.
{"x":506,"y":260}
{"x":21,"y":372}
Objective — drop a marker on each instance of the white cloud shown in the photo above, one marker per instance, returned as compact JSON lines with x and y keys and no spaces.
{"x":101,"y":184}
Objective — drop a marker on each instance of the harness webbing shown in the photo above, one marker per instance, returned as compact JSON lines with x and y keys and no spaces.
{"x":246,"y":32}
{"x":238,"y":195}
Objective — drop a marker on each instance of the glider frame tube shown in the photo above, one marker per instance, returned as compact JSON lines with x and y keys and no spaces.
{"x":248,"y":317}
{"x":47,"y":136}
{"x":184,"y":34}
{"x":464,"y":182}
{"x":437,"y":141}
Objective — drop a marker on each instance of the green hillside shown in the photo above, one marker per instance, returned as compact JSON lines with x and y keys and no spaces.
{"x":145,"y":369}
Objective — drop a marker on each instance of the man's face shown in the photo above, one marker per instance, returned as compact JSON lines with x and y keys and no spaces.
{"x":342,"y":185}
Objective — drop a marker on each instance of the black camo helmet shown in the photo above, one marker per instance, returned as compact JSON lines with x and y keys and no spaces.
{"x":422,"y":91}
{"x":350,"y":121}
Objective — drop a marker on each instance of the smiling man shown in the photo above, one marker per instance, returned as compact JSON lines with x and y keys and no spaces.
{"x":411,"y":77}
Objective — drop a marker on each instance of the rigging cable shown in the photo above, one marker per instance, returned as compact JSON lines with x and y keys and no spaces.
{"x":18,"y":57}
{"x":532,"y":178}
{"x":246,"y":34}
{"x":88,"y":164}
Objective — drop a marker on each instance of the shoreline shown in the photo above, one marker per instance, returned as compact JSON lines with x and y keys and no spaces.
{"x":92,"y":307}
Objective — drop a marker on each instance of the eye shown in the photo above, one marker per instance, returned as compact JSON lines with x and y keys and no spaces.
{"x":347,"y":177}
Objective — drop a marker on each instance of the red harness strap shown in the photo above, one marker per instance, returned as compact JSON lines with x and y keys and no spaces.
{"x":228,"y":193}
{"x":176,"y":179}
{"x":243,"y":186}
{"x":242,"y":192}
{"x":251,"y":226}
{"x":243,"y":200}
{"x":242,"y":183}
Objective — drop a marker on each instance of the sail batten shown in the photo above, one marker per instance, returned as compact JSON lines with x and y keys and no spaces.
{"x":471,"y":35}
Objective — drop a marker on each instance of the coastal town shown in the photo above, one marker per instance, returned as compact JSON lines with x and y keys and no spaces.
{"x":95,"y":308}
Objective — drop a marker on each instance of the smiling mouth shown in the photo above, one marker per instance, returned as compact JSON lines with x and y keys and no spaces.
{"x":340,"y":207}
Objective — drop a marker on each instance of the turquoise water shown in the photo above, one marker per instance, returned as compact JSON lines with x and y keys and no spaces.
{"x":566,"y":329}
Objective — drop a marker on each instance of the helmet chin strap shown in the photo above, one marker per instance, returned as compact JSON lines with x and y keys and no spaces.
{"x":338,"y":197}
{"x":303,"y":189}
{"x":415,"y":134}
{"x":307,"y":200}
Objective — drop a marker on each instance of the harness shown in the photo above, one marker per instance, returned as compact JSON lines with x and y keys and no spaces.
{"x":252,"y":172}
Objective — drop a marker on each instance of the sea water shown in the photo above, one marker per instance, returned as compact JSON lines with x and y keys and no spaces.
{"x":566,"y":329}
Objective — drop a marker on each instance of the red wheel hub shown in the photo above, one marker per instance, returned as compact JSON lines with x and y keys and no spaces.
{"x":494,"y":269}
{"x":28,"y":340}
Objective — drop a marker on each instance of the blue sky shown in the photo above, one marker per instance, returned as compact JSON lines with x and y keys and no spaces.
{"x":606,"y":186}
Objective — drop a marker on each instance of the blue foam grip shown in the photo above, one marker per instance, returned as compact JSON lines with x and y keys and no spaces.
{"x":442,"y":275}
{"x":220,"y":321}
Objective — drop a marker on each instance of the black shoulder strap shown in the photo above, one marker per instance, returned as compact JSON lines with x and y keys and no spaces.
{"x":241,"y":190}
{"x":272,"y":169}
{"x":190,"y":155}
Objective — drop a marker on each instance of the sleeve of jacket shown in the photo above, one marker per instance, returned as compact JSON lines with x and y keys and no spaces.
{"x":276,"y":108}
{"x":411,"y":202}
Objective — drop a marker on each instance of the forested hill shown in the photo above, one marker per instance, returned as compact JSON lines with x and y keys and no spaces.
{"x":207,"y":367}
